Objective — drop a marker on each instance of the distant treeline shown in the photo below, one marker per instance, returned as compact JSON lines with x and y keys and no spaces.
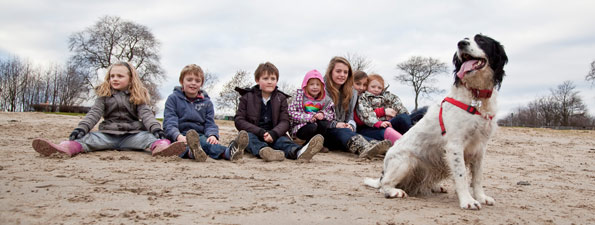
{"x":562,"y":109}
{"x":24,"y":85}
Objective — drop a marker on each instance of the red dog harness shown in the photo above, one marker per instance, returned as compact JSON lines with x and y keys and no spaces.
{"x":461,"y":105}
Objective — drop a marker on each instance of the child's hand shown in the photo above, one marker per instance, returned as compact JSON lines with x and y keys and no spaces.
{"x":268,"y":138}
{"x":385,"y":124}
{"x":343,"y":125}
{"x":181,"y":138}
{"x":390,"y":112}
{"x":77,"y":133}
{"x":319,"y":116}
{"x":313,"y":119}
{"x":212,"y":140}
{"x":159,"y":134}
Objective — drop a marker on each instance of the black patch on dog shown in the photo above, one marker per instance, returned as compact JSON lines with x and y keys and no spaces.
{"x":496,"y":57}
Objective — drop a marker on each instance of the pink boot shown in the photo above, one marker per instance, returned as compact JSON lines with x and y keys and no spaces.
{"x":391,"y":134}
{"x":47,"y":148}
{"x":162,"y":147}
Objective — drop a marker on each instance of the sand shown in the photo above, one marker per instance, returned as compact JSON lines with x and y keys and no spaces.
{"x":536,"y":176}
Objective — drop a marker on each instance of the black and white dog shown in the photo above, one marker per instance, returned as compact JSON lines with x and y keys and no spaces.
{"x":452,"y":135}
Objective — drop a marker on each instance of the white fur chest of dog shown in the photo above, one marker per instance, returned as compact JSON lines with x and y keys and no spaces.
{"x":430,"y":152}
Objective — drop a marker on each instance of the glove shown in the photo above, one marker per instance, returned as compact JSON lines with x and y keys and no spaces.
{"x":77,"y":133}
{"x":159,"y":134}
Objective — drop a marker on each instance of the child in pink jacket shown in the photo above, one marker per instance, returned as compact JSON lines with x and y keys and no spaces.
{"x":311,"y":111}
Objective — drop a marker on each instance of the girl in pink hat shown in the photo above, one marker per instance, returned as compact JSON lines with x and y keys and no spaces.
{"x":311,"y":110}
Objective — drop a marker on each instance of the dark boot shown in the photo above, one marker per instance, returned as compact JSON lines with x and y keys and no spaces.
{"x":237,"y":146}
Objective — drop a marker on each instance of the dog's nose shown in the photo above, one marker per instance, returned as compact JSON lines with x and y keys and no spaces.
{"x":463,"y":43}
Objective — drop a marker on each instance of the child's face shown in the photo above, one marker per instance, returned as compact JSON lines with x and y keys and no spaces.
{"x":340,"y":73}
{"x":267,"y":82}
{"x":191,"y":85}
{"x":375,"y":87}
{"x":314,"y":87}
{"x":360,"y":85}
{"x":119,"y":78}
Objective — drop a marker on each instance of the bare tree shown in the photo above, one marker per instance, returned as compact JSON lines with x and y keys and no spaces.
{"x":12,"y":72}
{"x":358,"y":62}
{"x":71,"y":85}
{"x":563,"y":107}
{"x":229,"y":99}
{"x":211,"y":80}
{"x":569,"y":102}
{"x":112,"y":39}
{"x":420,"y":72}
{"x":288,"y":88}
{"x":591,"y":75}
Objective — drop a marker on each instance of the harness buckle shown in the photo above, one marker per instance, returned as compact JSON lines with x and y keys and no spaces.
{"x":471,"y":109}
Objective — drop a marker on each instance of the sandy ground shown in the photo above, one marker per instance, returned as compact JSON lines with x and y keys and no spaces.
{"x":556,"y":171}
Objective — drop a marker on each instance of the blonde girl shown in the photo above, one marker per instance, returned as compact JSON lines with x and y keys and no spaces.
{"x":128,"y":122}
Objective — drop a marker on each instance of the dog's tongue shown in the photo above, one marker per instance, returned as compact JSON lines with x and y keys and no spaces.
{"x":466,"y":67}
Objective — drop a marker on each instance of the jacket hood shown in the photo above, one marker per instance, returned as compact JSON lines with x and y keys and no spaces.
{"x":256,"y":89}
{"x":314,"y":74}
{"x":178,"y":91}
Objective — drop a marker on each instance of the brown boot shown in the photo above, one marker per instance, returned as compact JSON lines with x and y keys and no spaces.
{"x":269,"y":154}
{"x":374,"y":149}
{"x":311,"y":148}
{"x":193,"y":141}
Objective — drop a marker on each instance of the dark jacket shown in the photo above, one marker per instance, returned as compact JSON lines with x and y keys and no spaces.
{"x":181,"y":115}
{"x":120,"y":116}
{"x":248,"y":113}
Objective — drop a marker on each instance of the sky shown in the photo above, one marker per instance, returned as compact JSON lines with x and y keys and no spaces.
{"x":547,"y":42}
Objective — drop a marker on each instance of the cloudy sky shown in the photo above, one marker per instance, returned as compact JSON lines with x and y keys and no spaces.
{"x":547,"y":42}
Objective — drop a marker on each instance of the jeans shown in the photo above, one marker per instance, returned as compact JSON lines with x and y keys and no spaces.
{"x":283,"y":143}
{"x":372,"y":132}
{"x":214,"y":151}
{"x":401,"y":123}
{"x":337,"y":138}
{"x":95,"y":141}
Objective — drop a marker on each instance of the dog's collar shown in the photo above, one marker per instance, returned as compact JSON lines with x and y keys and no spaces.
{"x":477,"y":93}
{"x":468,"y":108}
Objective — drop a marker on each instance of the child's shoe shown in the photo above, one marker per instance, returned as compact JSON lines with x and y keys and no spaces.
{"x":310,"y":149}
{"x":237,"y":146}
{"x":163,"y":147}
{"x":194,"y":143}
{"x":376,"y":148}
{"x":268,"y":154}
{"x":47,"y":148}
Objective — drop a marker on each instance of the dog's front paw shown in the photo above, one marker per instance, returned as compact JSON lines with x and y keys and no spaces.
{"x":395,"y":192}
{"x":484,"y":199}
{"x":471,"y":204}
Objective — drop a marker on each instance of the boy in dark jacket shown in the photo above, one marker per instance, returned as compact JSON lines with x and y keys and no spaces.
{"x":263,"y":114}
{"x":189,"y":118}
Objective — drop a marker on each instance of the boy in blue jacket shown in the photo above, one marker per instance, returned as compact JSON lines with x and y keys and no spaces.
{"x":189,"y":118}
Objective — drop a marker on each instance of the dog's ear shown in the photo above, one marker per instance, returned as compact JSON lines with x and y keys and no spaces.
{"x":498,"y":59}
{"x":458,"y":63}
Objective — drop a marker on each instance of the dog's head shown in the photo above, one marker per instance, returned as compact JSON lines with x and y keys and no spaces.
{"x":479,"y":58}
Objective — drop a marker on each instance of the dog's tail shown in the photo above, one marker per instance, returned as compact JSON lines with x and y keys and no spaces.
{"x":372,"y":182}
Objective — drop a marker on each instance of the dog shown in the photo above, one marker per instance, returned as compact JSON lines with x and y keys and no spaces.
{"x":452,"y":135}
